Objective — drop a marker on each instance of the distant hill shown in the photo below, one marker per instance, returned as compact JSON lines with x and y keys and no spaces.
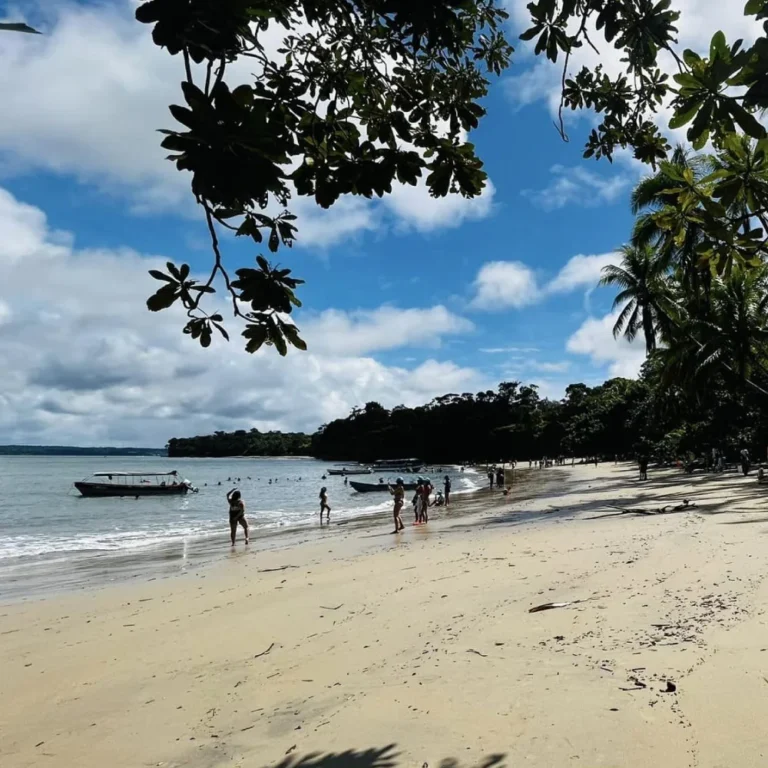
{"x":73,"y":450}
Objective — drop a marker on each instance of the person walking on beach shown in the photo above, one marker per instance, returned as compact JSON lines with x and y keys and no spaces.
{"x":499,"y":478}
{"x":324,"y":507}
{"x":426,"y":490}
{"x":447,"y":489}
{"x":236,"y":514}
{"x":398,"y":492}
{"x":490,"y":477}
{"x":643,"y":462}
{"x":416,"y":501}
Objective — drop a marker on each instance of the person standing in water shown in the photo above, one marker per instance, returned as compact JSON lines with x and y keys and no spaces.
{"x":398,"y":492}
{"x":426,"y":490}
{"x":447,"y":490}
{"x":236,"y":514}
{"x":417,"y":502}
{"x":324,"y":507}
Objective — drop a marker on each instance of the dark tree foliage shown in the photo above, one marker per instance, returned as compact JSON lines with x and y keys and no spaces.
{"x":241,"y":443}
{"x":360,"y":94}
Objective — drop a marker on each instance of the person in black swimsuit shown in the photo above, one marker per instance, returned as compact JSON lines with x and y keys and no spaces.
{"x":236,"y":514}
{"x":324,"y":506}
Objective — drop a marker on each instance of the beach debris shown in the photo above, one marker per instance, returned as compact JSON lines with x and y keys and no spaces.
{"x":39,"y":744}
{"x":664,"y":510}
{"x":290,"y":750}
{"x":671,"y":687}
{"x":264,"y":653}
{"x":550,"y":606}
{"x":331,"y":607}
{"x":639,"y":684}
{"x":273,"y":570}
{"x":472,"y":650}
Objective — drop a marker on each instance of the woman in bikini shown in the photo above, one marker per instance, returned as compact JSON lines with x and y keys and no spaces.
{"x":324,"y":506}
{"x":236,"y":514}
{"x":399,"y":493}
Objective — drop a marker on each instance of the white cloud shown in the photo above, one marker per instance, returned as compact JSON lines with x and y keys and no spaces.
{"x":503,"y":284}
{"x":579,"y":186}
{"x":503,"y":350}
{"x":581,"y":272}
{"x":85,"y":363}
{"x":416,"y":209}
{"x":559,"y":367}
{"x":595,"y":339}
{"x":512,"y":284}
{"x":86,"y":100}
{"x":364,"y":331}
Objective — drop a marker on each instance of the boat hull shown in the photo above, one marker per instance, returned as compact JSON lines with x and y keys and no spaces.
{"x":378,"y":487}
{"x":113,"y":489}
{"x":346,"y":472}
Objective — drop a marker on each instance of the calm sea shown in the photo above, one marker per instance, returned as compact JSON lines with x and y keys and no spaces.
{"x":51,"y":537}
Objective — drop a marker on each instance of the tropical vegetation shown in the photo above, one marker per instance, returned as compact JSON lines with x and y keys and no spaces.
{"x":365,"y":94}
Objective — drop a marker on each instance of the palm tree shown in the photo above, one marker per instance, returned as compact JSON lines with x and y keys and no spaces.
{"x":644,"y":293}
{"x":736,"y":330}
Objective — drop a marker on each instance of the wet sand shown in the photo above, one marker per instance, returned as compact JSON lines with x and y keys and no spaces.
{"x":424,"y":641}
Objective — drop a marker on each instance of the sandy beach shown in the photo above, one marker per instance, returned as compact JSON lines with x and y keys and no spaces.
{"x":366,"y":649}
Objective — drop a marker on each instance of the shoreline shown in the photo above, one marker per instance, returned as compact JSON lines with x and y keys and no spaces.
{"x":56,"y":574}
{"x":360,"y":640}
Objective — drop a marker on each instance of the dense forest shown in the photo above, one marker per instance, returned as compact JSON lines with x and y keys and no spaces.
{"x":241,"y":443}
{"x":623,"y":417}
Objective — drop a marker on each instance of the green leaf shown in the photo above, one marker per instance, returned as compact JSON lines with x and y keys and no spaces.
{"x":163,"y":298}
{"x":292,"y":334}
{"x":158,"y":275}
{"x":718,"y":47}
{"x":256,"y":335}
{"x":746,"y":120}
{"x":684,"y":115}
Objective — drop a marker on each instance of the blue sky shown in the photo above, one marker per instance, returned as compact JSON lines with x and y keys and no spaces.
{"x":405,"y":299}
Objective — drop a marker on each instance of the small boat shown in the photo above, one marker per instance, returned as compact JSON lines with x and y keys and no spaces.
{"x":353,"y":471}
{"x":406,"y":466}
{"x":135,"y":484}
{"x":373,"y":487}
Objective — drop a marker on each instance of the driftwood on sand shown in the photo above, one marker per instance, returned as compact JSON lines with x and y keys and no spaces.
{"x":665,"y":510}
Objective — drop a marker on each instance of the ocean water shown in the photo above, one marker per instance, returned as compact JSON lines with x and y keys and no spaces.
{"x":50,"y":535}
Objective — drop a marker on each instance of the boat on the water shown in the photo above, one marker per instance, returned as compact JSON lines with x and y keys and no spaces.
{"x":352,"y":471}
{"x":135,"y":484}
{"x":407,"y":466}
{"x":374,"y":487}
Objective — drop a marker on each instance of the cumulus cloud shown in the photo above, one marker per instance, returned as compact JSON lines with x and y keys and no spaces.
{"x":364,"y":331}
{"x":513,"y":285}
{"x":86,"y":100}
{"x":504,"y":350}
{"x":579,"y":186}
{"x":595,"y":339}
{"x":581,"y":272}
{"x":85,"y":363}
{"x":504,"y":284}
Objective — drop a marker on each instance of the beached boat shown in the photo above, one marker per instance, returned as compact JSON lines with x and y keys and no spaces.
{"x":134,"y":484}
{"x":406,"y":466}
{"x":373,"y":487}
{"x":351,"y":471}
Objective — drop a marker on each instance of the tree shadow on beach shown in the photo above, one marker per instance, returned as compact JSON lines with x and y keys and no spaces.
{"x":374,"y":757}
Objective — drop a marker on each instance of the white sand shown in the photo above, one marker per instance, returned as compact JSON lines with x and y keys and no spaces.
{"x":424,"y":642}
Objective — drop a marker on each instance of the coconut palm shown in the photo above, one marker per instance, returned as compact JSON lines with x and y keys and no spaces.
{"x":644,"y":295}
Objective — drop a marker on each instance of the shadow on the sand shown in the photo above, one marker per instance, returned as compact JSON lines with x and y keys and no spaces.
{"x":383,"y":757}
{"x":712,"y":494}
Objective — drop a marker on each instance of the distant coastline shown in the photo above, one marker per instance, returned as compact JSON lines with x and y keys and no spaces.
{"x":73,"y":450}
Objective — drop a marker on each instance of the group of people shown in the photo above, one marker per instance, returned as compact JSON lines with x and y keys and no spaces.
{"x":421,"y":500}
